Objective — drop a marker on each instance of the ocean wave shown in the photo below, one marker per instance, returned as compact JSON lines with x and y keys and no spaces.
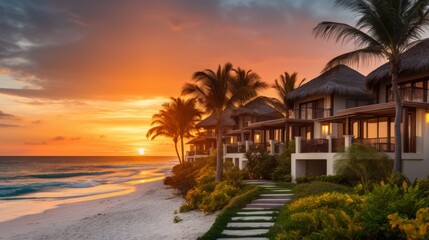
{"x":67,"y":175}
{"x":21,"y":189}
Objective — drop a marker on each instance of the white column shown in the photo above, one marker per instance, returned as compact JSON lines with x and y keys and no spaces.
{"x":329,"y":137}
{"x":272,"y":148}
{"x":248,"y":146}
{"x":297,"y":144}
{"x":224,"y":149}
{"x":347,"y":141}
{"x":281,"y":148}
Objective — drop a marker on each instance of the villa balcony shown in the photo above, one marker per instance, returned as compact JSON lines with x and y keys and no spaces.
{"x":334,"y":145}
{"x":207,"y":134}
{"x":273,"y":147}
{"x":380,"y":144}
{"x":311,"y":113}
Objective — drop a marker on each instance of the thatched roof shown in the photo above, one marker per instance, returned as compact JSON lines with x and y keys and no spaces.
{"x":414,"y":61}
{"x":340,"y":80}
{"x":257,"y":107}
{"x":210,"y":121}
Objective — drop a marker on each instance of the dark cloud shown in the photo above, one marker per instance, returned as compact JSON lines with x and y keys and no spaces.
{"x":118,"y":49}
{"x":58,"y":139}
{"x":4,"y":125}
{"x":53,"y":140}
{"x":8,"y":116}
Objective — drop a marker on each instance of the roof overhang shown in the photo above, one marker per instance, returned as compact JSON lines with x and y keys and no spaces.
{"x":373,"y":110}
{"x":278,"y":123}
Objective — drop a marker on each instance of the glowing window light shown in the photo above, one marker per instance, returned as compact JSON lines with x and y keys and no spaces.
{"x":325,"y":130}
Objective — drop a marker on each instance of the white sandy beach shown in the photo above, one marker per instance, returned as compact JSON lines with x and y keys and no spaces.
{"x":146,"y":213}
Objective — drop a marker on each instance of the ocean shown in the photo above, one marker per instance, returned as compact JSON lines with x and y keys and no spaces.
{"x":31,"y":185}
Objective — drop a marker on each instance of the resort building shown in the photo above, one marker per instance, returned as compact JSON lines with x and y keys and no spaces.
{"x":235,"y":121}
{"x":333,"y":111}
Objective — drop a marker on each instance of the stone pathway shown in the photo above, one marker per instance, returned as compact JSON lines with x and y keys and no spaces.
{"x":253,"y":222}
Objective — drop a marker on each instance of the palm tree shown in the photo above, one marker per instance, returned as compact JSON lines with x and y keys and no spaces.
{"x":215,"y":93}
{"x":245,"y":85}
{"x":384,"y":29}
{"x":165,"y":125}
{"x":176,"y":120}
{"x":187,"y":116}
{"x":283,"y":86}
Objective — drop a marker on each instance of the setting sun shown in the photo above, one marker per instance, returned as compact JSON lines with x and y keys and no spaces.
{"x":140,"y":151}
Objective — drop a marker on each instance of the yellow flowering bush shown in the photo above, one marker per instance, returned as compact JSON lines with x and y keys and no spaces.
{"x":414,"y":229}
{"x":327,"y":216}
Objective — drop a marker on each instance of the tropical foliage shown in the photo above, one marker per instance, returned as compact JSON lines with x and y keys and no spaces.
{"x":176,"y":120}
{"x":283,"y":86}
{"x":363,"y":164}
{"x":386,"y":212}
{"x":384,"y":29}
{"x":216,"y":91}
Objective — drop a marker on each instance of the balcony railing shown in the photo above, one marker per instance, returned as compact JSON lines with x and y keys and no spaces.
{"x":338,"y":144}
{"x":312,"y":113}
{"x":199,"y":152}
{"x":259,"y":147}
{"x":314,"y":145}
{"x":380,"y":144}
{"x":273,"y":147}
{"x":207,"y":134}
{"x":235,"y":149}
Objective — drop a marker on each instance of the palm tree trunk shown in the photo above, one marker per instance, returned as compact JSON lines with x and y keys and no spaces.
{"x":397,"y":163}
{"x":219,"y":156}
{"x":177,"y":152}
{"x":287,"y":126}
{"x":182,"y":148}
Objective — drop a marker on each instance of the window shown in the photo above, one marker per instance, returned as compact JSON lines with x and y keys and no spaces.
{"x":326,"y":130}
{"x":312,"y":110}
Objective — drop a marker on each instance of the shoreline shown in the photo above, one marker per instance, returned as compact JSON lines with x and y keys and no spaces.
{"x":146,"y":213}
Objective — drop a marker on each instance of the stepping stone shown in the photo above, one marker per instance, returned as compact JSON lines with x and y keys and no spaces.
{"x":276,"y":195}
{"x":273,"y":200}
{"x":246,"y":208}
{"x":267,"y":186}
{"x":280,"y":190}
{"x":251,"y":218}
{"x":256,"y":213}
{"x":250,"y":232}
{"x":250,"y":224}
{"x":265,"y":205}
{"x":247,"y":238}
{"x":269,"y":201}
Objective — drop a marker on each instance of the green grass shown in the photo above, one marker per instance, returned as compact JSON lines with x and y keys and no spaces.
{"x":318,"y":188}
{"x":248,"y":194}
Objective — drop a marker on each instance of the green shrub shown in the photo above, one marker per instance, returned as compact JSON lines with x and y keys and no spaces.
{"x":234,"y":177}
{"x":281,"y":175}
{"x":363,"y":164}
{"x":318,"y":188}
{"x":339,"y":179}
{"x":327,"y":216}
{"x":385,"y":200}
{"x":284,"y":159}
{"x":239,"y":201}
{"x":217,"y":199}
{"x":415,"y":229}
{"x":260,"y":165}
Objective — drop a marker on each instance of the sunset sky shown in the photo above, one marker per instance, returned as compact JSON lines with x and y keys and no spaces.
{"x":84,"y":77}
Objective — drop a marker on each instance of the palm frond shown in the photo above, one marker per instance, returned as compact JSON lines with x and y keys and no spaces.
{"x":354,"y":58}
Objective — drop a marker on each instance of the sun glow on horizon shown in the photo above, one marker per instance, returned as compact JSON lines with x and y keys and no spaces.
{"x":140,"y":151}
